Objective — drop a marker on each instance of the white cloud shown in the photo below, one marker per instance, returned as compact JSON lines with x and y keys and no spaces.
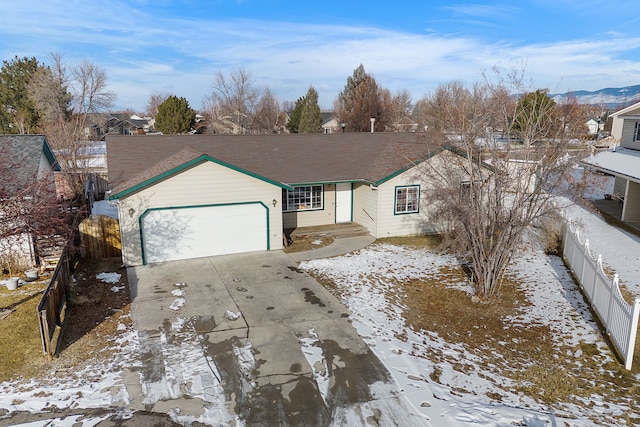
{"x":143,"y":53}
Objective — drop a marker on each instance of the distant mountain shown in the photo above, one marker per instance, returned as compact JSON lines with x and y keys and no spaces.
{"x":611,"y":97}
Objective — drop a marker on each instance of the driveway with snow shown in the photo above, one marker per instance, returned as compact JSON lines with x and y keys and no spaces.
{"x":251,"y":339}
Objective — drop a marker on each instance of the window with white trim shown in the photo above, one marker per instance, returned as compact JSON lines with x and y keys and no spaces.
{"x":407,"y":199}
{"x":302,"y":198}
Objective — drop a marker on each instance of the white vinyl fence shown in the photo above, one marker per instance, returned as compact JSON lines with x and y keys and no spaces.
{"x":618,"y":317}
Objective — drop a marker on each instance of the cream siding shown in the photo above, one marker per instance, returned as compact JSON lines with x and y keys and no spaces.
{"x":45,"y":172}
{"x":310,"y":218}
{"x":45,"y":169}
{"x":365,"y":207}
{"x":422,"y":222}
{"x":207,"y":183}
{"x":628,"y":129}
{"x":631,"y":210}
{"x":619,"y":186}
{"x":616,"y":128}
{"x":392,"y":224}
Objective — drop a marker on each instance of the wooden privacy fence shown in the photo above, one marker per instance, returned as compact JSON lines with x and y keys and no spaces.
{"x":100,"y":237}
{"x":53,"y":301}
{"x":619,"y":317}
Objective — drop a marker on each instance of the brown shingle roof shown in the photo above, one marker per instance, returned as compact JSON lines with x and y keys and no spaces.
{"x":287,"y":159}
{"x":24,"y":152}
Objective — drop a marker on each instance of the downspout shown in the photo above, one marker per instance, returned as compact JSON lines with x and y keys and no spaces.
{"x":626,"y":199}
{"x":378,"y":197}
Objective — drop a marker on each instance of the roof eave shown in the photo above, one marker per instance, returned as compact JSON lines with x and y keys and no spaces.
{"x":48,"y":152}
{"x":200,"y":159}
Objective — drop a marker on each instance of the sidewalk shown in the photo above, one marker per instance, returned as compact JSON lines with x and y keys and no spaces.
{"x":339,"y":246}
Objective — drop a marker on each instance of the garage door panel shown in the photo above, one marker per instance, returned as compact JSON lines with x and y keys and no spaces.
{"x":183,"y":233}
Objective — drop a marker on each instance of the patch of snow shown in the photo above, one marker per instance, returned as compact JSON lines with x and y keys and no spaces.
{"x":315,"y":357}
{"x":363,"y":279}
{"x":109,"y":277}
{"x":190,"y":373}
{"x":232,"y":315}
{"x":103,"y":207}
{"x":177,"y":304}
{"x":117,"y":288}
{"x":246,"y":364}
{"x":68,"y":421}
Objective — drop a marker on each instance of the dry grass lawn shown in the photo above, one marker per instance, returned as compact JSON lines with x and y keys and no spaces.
{"x":538,"y":362}
{"x":91,"y":318}
{"x":300,"y":244}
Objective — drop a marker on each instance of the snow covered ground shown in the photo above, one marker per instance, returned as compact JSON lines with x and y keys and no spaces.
{"x":103,"y":207}
{"x":363,"y":279}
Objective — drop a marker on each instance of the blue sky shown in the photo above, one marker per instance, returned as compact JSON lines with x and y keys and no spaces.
{"x":178,"y":46}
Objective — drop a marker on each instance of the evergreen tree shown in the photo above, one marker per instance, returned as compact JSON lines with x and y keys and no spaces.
{"x":175,"y":116}
{"x":18,"y":112}
{"x":361,"y":100}
{"x":310,"y":115}
{"x":294,"y":116}
{"x":534,"y":117}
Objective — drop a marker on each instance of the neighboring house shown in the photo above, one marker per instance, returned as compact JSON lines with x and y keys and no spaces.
{"x":594,"y":125}
{"x":36,"y":161}
{"x":623,"y":163}
{"x":405,"y":124}
{"x":619,"y":117}
{"x":190,"y":196}
{"x":102,"y":124}
{"x":330,"y":123}
{"x":89,"y":159}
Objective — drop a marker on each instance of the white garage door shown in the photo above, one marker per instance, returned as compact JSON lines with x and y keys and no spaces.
{"x":193,"y":232}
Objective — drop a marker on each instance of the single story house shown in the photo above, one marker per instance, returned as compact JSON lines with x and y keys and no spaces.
{"x":623,"y":162}
{"x":330,"y":123}
{"x":618,"y":119}
{"x":23,"y":159}
{"x":188,"y":196}
{"x":594,"y":125}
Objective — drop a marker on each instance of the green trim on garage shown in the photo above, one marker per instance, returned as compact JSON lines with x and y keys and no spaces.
{"x":149,"y":210}
{"x":187,"y":165}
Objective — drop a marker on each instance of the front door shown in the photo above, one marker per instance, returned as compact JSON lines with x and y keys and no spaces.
{"x":344,"y":201}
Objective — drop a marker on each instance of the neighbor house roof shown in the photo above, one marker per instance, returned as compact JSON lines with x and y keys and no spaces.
{"x":25,"y":152}
{"x":618,"y":161}
{"x":632,"y":110}
{"x":283,"y":159}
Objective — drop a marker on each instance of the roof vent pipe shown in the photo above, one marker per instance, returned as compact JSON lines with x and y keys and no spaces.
{"x":373,"y":120}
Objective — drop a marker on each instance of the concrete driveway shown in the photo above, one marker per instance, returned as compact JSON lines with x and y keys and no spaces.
{"x":251,"y":340}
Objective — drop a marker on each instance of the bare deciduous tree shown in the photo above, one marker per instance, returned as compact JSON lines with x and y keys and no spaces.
{"x":267,"y":113}
{"x":573,"y":116}
{"x":156,"y":98}
{"x":495,"y":190}
{"x":67,"y":96}
{"x":401,"y":105}
{"x":235,"y":96}
{"x":28,"y":207}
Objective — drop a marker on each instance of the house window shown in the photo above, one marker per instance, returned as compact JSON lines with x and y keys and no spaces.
{"x":469,"y":191}
{"x":407,"y":199}
{"x":303,"y":198}
{"x":636,"y":132}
